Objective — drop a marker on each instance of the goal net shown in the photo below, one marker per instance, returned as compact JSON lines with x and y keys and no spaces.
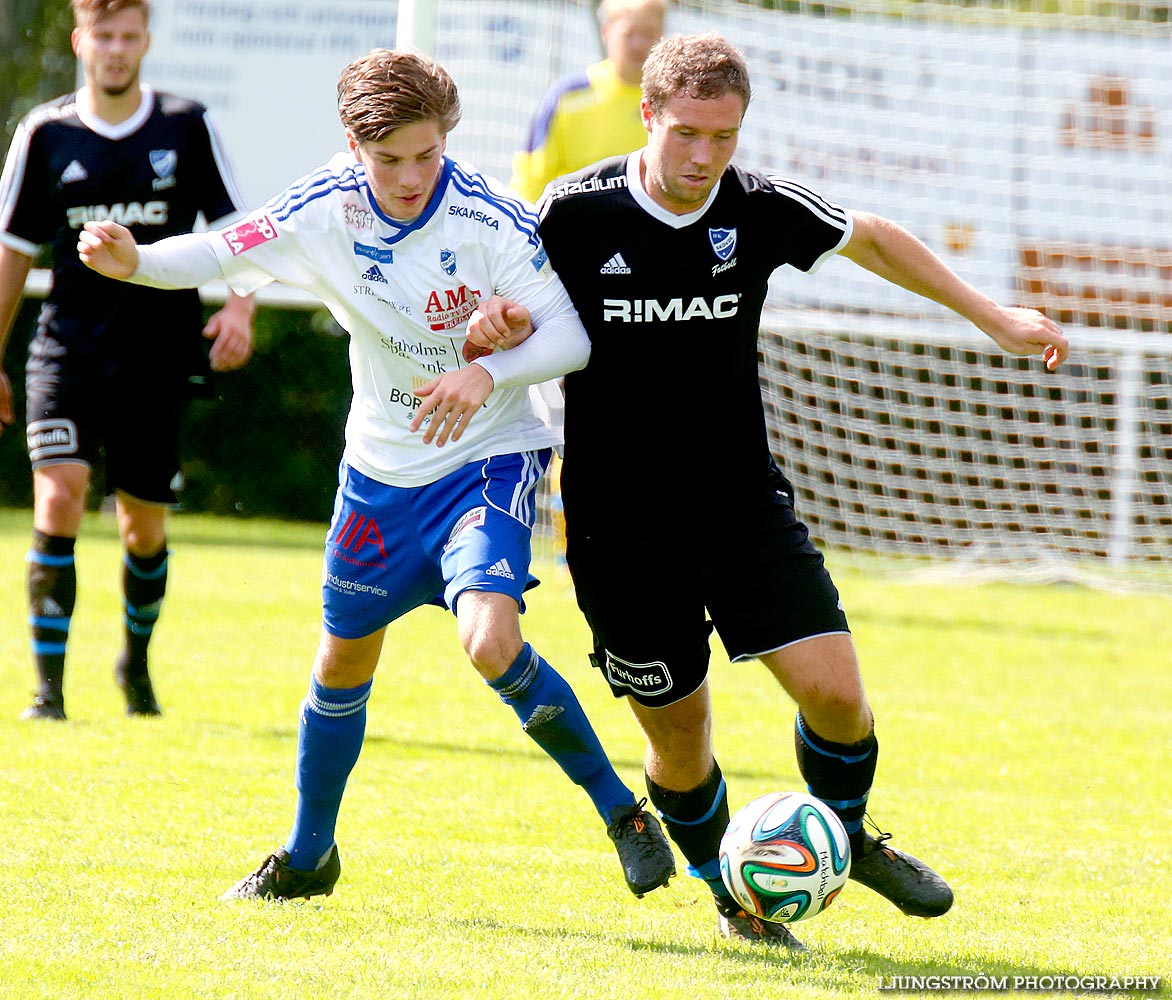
{"x":1030,"y":146}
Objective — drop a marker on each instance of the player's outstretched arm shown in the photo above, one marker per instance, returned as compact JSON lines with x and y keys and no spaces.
{"x":893,"y":253}
{"x":185,"y":261}
{"x":109,"y":249}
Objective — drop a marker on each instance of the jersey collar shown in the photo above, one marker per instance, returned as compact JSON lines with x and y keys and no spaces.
{"x":122,"y":129}
{"x":405,"y":229}
{"x":644,"y":201}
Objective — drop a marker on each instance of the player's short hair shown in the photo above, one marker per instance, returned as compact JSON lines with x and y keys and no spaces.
{"x":702,"y":66}
{"x":608,"y":10}
{"x":86,"y":12}
{"x":387,"y":89}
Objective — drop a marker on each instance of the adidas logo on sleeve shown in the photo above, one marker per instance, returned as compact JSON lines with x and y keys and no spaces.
{"x":616,"y":265}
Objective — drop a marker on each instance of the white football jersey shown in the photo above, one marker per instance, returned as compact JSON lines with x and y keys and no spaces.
{"x":404,"y":292}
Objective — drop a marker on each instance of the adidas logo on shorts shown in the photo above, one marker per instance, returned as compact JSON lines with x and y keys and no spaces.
{"x":616,"y":265}
{"x":501,"y":568}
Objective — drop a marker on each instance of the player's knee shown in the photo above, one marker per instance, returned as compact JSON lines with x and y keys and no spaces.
{"x":144,"y":544}
{"x":490,"y":650}
{"x":489,"y":631}
{"x":60,"y":497}
{"x":838,"y":715}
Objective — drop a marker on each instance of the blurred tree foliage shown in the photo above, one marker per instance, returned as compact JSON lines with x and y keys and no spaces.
{"x":267,"y":442}
{"x":36,"y":58}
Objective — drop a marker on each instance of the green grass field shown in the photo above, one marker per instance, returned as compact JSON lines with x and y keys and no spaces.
{"x":1025,"y":752}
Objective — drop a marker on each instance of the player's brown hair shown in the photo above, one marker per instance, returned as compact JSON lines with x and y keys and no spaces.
{"x":387,"y":89}
{"x":86,"y":12}
{"x":702,"y":66}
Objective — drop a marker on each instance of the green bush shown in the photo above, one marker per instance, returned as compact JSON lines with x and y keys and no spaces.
{"x":267,"y":441}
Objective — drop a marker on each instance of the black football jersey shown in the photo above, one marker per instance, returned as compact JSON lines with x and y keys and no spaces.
{"x":155,"y":173}
{"x":666,"y":419}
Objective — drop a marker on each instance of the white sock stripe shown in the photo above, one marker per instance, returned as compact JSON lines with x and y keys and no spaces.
{"x":525,"y":679}
{"x":336,"y":710}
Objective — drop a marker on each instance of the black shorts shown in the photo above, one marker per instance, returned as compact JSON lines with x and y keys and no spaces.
{"x":76,"y":413}
{"x":651,"y":601}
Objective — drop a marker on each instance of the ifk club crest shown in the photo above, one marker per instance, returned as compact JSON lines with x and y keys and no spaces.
{"x":448,"y":261}
{"x":724,"y":242}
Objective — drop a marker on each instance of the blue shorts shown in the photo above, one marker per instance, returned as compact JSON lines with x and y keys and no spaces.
{"x":391,"y":549}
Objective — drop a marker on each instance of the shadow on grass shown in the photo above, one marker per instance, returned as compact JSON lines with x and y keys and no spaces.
{"x":519,"y":752}
{"x":893,"y":975}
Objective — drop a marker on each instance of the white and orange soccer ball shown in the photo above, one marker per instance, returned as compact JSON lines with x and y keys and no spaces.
{"x":785,"y":857}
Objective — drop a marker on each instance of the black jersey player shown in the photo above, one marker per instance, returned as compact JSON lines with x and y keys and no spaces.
{"x":100,"y":376}
{"x":678,"y":519}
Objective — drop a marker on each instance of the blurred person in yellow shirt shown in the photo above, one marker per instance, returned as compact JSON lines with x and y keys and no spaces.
{"x":595,"y":114}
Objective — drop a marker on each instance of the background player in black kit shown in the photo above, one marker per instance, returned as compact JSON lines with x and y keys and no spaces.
{"x":99,"y":374}
{"x":678,"y":520}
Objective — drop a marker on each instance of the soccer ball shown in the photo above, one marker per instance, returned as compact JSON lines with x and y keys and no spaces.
{"x":785,"y":857}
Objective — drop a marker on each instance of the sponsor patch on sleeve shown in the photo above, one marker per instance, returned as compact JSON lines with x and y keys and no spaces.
{"x":249,"y":233}
{"x":540,"y":262}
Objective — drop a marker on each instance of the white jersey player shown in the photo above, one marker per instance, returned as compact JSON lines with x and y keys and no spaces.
{"x":405,"y":292}
{"x":409,"y":249}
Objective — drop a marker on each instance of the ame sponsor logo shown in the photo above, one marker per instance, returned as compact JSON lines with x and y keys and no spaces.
{"x":672,"y":311}
{"x":451,"y":307}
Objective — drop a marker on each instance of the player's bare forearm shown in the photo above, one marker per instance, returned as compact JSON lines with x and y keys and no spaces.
{"x":108,"y":248}
{"x":894,"y":254}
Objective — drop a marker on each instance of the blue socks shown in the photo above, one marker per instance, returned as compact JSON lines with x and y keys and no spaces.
{"x":552,"y":717}
{"x":333,"y":724}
